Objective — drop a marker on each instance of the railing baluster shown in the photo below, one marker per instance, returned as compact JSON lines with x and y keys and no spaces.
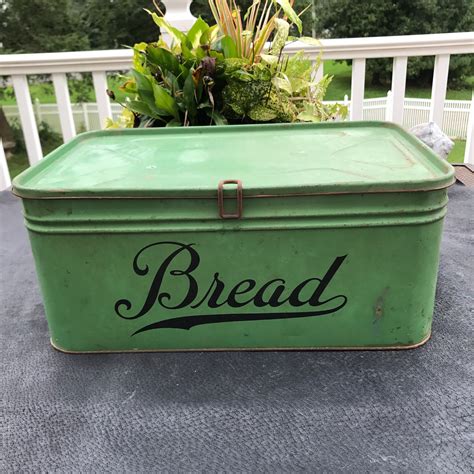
{"x":438,"y":91}
{"x":27,"y":118}
{"x":5,"y":181}
{"x":103,"y":103}
{"x":357,"y":88}
{"x":469,"y":153}
{"x":64,"y":106}
{"x":178,"y":13}
{"x":399,"y":77}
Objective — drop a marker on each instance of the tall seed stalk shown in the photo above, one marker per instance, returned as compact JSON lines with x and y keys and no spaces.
{"x":251,"y":32}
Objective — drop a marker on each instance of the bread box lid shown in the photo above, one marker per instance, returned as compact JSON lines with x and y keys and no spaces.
{"x":268,"y":160}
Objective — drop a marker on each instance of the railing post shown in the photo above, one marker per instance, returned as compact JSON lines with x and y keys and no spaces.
{"x":357,"y":89}
{"x":469,"y":153}
{"x":5,"y":181}
{"x":27,"y":118}
{"x":63,"y":102}
{"x":399,"y":78}
{"x":389,"y":106}
{"x":438,"y":91}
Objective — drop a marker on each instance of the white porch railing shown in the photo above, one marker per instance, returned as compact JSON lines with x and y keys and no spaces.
{"x":400,"y":48}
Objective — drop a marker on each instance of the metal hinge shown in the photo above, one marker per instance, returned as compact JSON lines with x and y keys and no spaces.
{"x":220,"y":199}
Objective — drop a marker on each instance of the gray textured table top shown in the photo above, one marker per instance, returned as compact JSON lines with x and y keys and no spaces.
{"x":238,"y":411}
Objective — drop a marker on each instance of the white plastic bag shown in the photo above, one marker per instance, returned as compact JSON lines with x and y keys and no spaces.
{"x":430,"y":134}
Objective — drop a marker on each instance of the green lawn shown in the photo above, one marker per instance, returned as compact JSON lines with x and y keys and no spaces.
{"x":341,"y":85}
{"x":457,"y":153}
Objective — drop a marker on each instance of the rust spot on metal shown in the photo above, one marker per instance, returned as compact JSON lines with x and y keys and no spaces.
{"x":379,"y":305}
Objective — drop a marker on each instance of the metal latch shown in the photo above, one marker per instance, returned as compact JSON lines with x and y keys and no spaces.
{"x":220,"y":199}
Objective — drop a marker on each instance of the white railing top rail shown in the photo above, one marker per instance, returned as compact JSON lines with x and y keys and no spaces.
{"x":347,"y":48}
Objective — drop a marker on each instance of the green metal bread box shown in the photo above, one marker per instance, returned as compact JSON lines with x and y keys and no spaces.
{"x":318,"y":236}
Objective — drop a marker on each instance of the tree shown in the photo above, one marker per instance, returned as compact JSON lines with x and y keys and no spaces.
{"x":359,"y":18}
{"x":34,"y":26}
{"x":114,"y":24}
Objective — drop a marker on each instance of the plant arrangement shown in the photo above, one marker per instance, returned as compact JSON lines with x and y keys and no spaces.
{"x":233,"y":72}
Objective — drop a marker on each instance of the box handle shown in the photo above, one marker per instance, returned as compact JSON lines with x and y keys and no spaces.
{"x":220,"y":199}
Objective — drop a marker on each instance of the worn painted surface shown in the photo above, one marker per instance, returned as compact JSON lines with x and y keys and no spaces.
{"x":158,"y":269}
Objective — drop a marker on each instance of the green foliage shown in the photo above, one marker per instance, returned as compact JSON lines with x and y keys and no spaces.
{"x":173,"y":85}
{"x":204,"y":78}
{"x":357,"y":18}
{"x":36,"y":26}
{"x":39,"y":26}
{"x":48,"y":137}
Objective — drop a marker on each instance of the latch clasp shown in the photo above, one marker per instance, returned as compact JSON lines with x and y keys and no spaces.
{"x":239,"y":198}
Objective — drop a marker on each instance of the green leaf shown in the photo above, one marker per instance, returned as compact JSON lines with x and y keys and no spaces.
{"x":269,"y":59}
{"x":290,"y":13}
{"x":162,"y":58}
{"x":283,"y":83}
{"x":210,"y":35}
{"x":262,"y":72}
{"x":144,"y":87}
{"x":174,"y":123}
{"x":308,"y":117}
{"x":141,"y":108}
{"x":233,"y":64}
{"x":229,"y":48}
{"x":184,"y":73}
{"x":128,"y":87}
{"x":188,"y":96}
{"x":218,"y":118}
{"x":241,"y":75}
{"x":205,"y":105}
{"x":195,"y":33}
{"x":282,"y":28}
{"x":171,"y":82}
{"x":138,"y":57}
{"x":178,"y":36}
{"x":147,"y":123}
{"x":260,"y":113}
{"x":165,"y":104}
{"x":307,"y":40}
{"x":298,"y":69}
